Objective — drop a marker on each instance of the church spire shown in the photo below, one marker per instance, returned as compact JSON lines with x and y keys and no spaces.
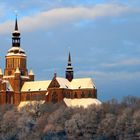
{"x":16,"y":24}
{"x":69,"y":69}
{"x":69,"y":58}
{"x":16,"y":35}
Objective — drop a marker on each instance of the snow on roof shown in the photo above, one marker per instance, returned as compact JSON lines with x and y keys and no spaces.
{"x":82,"y":83}
{"x":25,"y":77}
{"x":63,"y":82}
{"x":35,"y":86}
{"x":83,"y":102}
{"x":25,"y":103}
{"x":8,"y":85}
{"x":16,"y":48}
{"x":9,"y":76}
{"x":16,"y":51}
{"x":13,"y":54}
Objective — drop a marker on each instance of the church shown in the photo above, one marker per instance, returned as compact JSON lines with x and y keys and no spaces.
{"x":18,"y":85}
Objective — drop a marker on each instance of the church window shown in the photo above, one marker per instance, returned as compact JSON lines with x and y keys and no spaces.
{"x":75,"y":95}
{"x":83,"y":95}
{"x":12,"y":99}
{"x":89,"y":94}
{"x":11,"y":64}
{"x":54,"y":84}
{"x":68,"y":95}
{"x":9,"y":72}
{"x":28,"y":97}
{"x":54,"y":97}
{"x":64,"y":94}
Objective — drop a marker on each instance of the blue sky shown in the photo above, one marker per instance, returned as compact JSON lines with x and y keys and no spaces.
{"x":102,"y":35}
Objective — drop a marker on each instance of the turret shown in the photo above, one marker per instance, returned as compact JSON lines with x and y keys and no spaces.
{"x":17,"y":84}
{"x":69,"y":69}
{"x":31,"y":75}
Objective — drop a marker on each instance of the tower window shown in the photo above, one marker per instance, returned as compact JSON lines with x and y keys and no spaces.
{"x":9,"y":72}
{"x":22,"y":72}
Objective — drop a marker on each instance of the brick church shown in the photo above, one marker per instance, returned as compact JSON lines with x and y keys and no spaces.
{"x":17,"y":84}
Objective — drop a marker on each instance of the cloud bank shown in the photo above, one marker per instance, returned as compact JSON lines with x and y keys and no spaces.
{"x":54,"y":17}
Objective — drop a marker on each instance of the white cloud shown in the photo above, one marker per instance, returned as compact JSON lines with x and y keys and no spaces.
{"x":57,"y":16}
{"x":127,"y":62}
{"x":109,"y":75}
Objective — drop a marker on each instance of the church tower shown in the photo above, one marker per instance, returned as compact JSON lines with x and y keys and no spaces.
{"x":15,"y":68}
{"x":16,"y":56}
{"x":69,"y":69}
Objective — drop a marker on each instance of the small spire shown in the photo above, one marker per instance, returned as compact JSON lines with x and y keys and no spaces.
{"x":31,"y":72}
{"x":69,"y":69}
{"x":16,"y":35}
{"x":16,"y":24}
{"x":69,"y":59}
{"x":1,"y":72}
{"x":17,"y":70}
{"x":55,"y":75}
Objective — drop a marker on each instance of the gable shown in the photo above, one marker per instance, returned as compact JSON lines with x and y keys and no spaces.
{"x":54,"y":84}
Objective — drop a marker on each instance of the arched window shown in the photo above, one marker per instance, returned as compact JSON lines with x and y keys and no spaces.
{"x":68,"y":95}
{"x":12,"y":99}
{"x":54,"y":97}
{"x":28,"y":97}
{"x":64,"y":94}
{"x":83,"y":94}
{"x":89,"y":94}
{"x":75,"y":95}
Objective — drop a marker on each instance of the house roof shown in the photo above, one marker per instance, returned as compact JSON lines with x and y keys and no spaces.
{"x":81,"y":83}
{"x":82,"y":102}
{"x":63,"y":82}
{"x":8,"y":85}
{"x":35,"y":86}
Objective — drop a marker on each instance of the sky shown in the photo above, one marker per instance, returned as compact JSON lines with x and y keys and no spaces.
{"x":103,"y":37}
